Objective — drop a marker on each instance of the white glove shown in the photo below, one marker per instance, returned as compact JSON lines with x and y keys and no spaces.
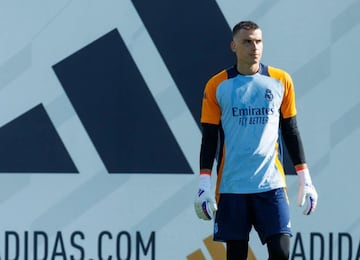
{"x":205,"y":205}
{"x":307,"y":192}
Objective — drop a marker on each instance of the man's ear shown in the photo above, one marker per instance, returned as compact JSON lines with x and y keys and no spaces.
{"x":233,"y":46}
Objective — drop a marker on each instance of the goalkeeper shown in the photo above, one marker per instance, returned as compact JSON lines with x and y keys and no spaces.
{"x":246,"y":109}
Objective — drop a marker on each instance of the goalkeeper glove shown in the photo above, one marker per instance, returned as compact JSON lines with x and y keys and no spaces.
{"x":204,"y":204}
{"x":307,"y":192}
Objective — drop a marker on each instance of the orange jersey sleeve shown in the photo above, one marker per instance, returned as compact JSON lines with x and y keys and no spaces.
{"x":288,"y":107}
{"x":210,"y":111}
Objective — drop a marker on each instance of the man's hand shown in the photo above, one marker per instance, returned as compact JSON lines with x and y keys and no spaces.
{"x":204,"y":204}
{"x":307,"y":193}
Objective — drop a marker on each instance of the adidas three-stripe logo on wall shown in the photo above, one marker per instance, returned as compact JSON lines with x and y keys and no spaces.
{"x":113,"y":102}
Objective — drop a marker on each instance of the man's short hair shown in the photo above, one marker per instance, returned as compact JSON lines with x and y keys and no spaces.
{"x":246,"y":25}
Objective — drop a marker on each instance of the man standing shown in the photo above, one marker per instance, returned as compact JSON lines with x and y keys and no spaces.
{"x":247,"y":110}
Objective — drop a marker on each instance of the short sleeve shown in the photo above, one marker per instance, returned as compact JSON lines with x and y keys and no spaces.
{"x":210,"y":110}
{"x":288,"y":106}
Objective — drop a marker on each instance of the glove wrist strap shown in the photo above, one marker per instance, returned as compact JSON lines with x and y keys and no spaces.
{"x":304,"y":176}
{"x":205,"y":182}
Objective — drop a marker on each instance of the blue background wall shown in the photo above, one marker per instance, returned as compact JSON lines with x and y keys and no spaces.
{"x":99,"y":122}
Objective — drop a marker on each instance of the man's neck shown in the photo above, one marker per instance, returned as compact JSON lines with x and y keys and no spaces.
{"x":246,"y":69}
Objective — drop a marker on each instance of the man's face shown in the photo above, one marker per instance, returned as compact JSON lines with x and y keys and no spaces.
{"x":248,"y":46}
